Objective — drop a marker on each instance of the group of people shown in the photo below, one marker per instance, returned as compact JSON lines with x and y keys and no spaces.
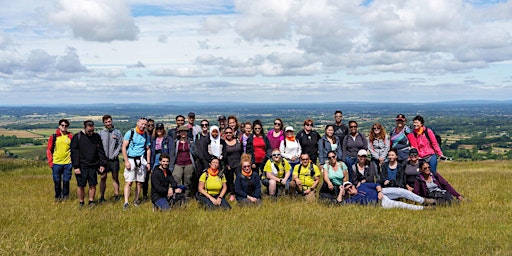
{"x":239,"y":159}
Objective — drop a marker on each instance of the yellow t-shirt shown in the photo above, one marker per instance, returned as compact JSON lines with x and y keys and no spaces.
{"x":62,"y":152}
{"x":213,"y":185}
{"x":269,"y":167}
{"x":305,"y":174}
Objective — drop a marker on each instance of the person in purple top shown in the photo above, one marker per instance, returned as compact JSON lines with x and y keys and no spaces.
{"x":276,"y":135}
{"x":433,"y":185}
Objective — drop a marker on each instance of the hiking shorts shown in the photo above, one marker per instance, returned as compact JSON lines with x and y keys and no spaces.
{"x":87,"y":175}
{"x":137,"y":172}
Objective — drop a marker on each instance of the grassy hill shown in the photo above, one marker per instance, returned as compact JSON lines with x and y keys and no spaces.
{"x":32,"y":224}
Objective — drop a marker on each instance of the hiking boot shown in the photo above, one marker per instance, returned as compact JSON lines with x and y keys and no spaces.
{"x":429,"y":201}
{"x":81,"y":204}
{"x":91,"y":204}
{"x":102,"y":200}
{"x":125,"y":206}
{"x":116,"y":198}
{"x":137,"y":202}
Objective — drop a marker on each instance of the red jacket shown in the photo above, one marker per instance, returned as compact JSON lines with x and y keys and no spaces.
{"x":49,"y":153}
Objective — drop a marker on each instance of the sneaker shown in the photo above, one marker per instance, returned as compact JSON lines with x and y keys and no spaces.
{"x":116,"y":198}
{"x":91,"y":204}
{"x":102,"y":200}
{"x":81,"y":204}
{"x":137,"y":202}
{"x":125,"y":206}
{"x":429,"y":201}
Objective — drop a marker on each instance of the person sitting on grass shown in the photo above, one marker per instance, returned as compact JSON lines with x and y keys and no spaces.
{"x":433,"y":185}
{"x":306,"y":177}
{"x":212,"y":187}
{"x":247,"y":184}
{"x":277,"y":170}
{"x":164,"y":189}
{"x":373,"y":193}
{"x":335,"y":173}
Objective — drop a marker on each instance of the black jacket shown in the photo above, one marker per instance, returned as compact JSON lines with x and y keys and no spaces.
{"x":160,"y":183}
{"x":87,"y":151}
{"x":309,"y":143}
{"x":249,"y":148}
{"x":400,"y":176}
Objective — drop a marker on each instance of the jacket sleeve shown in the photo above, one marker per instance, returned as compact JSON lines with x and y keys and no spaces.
{"x":384,"y":173}
{"x":75,"y":152}
{"x":365,"y":141}
{"x":400,"y":176}
{"x":49,"y":154}
{"x":119,"y":144}
{"x":445,"y":185}
{"x":285,"y":154}
{"x":157,"y":182}
{"x":412,"y":140}
{"x":372,"y":173}
{"x":224,"y":148}
{"x":433,"y":142}
{"x":101,"y":152}
{"x":249,"y":148}
{"x":344,"y":145}
{"x":339,"y":152}
{"x":419,"y":188}
{"x":239,"y":189}
{"x":172,"y":153}
{"x":268,"y":149}
{"x":321,"y":151}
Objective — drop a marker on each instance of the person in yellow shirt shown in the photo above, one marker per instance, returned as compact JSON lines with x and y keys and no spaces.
{"x":306,"y":177}
{"x":212,"y":187}
{"x":277,"y":171}
{"x":58,"y":154}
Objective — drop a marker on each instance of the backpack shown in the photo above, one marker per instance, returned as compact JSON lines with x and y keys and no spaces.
{"x":131,"y":138}
{"x":438,"y":138}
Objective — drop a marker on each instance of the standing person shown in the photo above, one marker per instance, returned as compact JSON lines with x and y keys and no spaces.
{"x":58,"y":153}
{"x":235,"y":127}
{"x":290,"y":148}
{"x":412,"y":169}
{"x":247,"y":132}
{"x":222,"y":124}
{"x":196,"y":129}
{"x":328,"y":143}
{"x":276,"y":135}
{"x":247,"y":184}
{"x":308,"y":139}
{"x":159,"y":145}
{"x":164,"y":188}
{"x":182,"y":159}
{"x":258,"y":147}
{"x":340,"y":129}
{"x":233,"y":155}
{"x":398,"y":138}
{"x":200,"y":160}
{"x":352,"y":143}
{"x":87,"y":157}
{"x":378,"y":144}
{"x":424,"y":139}
{"x":212,"y":187}
{"x":112,"y":140}
{"x":173,"y":132}
{"x":135,"y":145}
{"x":306,"y":177}
{"x":150,"y":127}
{"x":277,"y":170}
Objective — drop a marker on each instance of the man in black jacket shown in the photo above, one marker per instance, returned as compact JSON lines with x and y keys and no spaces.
{"x":87,"y":158}
{"x":163,"y":186}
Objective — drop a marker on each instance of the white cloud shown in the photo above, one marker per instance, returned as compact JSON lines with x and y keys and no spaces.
{"x":97,"y":20}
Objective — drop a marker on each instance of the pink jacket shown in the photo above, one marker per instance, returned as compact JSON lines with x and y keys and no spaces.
{"x":423,"y":145}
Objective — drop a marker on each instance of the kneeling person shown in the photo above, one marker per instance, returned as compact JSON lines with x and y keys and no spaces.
{"x":212,"y":187}
{"x":164,"y":188}
{"x":247,"y":184}
{"x":306,"y":177}
{"x":277,"y":171}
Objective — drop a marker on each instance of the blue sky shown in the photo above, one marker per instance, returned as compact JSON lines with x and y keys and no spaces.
{"x":94,"y":51}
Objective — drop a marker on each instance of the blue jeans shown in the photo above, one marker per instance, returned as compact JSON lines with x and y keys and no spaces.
{"x":162,"y":204}
{"x":432,"y":161}
{"x":61,"y":173}
{"x":349,"y":161}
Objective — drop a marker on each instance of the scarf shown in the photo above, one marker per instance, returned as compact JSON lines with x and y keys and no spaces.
{"x":420,"y":130}
{"x":247,"y":174}
{"x":215,"y":142}
{"x":139,"y":131}
{"x":212,"y":172}
{"x":292,"y":138}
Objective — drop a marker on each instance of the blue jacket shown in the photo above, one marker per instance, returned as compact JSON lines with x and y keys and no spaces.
{"x":366,"y":194}
{"x":164,"y":147}
{"x":324,"y":146}
{"x":245,"y":186}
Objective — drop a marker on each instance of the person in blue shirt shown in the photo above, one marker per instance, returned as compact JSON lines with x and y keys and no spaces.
{"x":373,"y":193}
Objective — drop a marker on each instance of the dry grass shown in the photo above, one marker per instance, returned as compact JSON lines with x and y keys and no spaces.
{"x":31,"y":224}
{"x":20,"y":133}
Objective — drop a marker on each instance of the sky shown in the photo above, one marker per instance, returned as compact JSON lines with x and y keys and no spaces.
{"x":257,"y":51}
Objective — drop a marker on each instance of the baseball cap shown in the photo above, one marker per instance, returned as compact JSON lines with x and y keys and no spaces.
{"x":222,"y":118}
{"x":400,"y":117}
{"x":288,"y":128}
{"x":192,"y":114}
{"x":362,"y":152}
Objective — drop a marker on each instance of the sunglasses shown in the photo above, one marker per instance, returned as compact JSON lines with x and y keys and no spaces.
{"x":308,"y":124}
{"x":64,"y":125}
{"x":426,"y":168}
{"x":246,"y":166}
{"x":353,"y":126}
{"x":151,"y":125}
{"x":228,"y":133}
{"x":257,"y":128}
{"x":376,"y":128}
{"x":204,"y":125}
{"x":413,"y":154}
{"x":332,"y":157}
{"x":276,"y":154}
{"x":304,"y":159}
{"x":279,"y":124}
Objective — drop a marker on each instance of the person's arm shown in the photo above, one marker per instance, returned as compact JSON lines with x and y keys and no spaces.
{"x":283,"y":150}
{"x":434,"y":143}
{"x":387,"y":145}
{"x":125,"y":154}
{"x":322,"y":155}
{"x":239,"y":188}
{"x":445,"y":185}
{"x":101,"y":154}
{"x":119,"y":142}
{"x":49,"y":154}
{"x":148,"y":153}
{"x":75,"y":154}
{"x":380,"y":195}
{"x":345,"y":175}
{"x":327,"y":180}
{"x":158,"y":184}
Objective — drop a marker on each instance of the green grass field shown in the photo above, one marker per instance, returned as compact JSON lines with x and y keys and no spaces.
{"x":29,"y":152}
{"x":33,"y":225}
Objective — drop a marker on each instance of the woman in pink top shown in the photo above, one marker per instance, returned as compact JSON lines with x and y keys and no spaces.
{"x":424,"y":140}
{"x":276,"y":135}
